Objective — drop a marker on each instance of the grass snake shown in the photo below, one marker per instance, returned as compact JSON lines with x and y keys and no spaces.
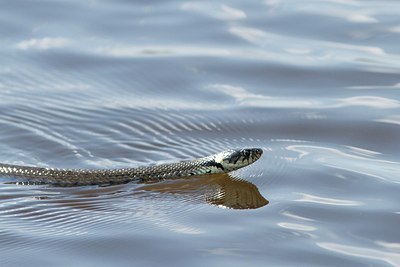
{"x":223,"y":162}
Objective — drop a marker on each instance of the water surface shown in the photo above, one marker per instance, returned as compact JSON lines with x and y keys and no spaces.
{"x":114,"y":84}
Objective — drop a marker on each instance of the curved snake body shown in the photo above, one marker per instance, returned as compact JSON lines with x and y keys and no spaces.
{"x":219,"y":163}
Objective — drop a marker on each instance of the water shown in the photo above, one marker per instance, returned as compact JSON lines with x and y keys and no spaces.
{"x":107,"y":84}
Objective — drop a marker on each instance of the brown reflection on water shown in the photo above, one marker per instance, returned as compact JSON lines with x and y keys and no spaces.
{"x":221,"y":190}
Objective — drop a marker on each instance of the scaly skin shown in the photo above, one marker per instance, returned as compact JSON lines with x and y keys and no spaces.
{"x":219,"y":163}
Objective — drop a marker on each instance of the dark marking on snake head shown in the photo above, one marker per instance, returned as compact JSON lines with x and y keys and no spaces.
{"x":234,"y":157}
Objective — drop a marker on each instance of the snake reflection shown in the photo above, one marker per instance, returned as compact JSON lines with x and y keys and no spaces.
{"x":220,"y":189}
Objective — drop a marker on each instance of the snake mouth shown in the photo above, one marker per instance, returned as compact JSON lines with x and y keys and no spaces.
{"x":258,"y":152}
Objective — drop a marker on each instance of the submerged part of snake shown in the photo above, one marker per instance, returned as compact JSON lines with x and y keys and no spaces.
{"x":223,"y":162}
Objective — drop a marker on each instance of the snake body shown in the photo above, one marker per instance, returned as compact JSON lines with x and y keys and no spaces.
{"x":223,"y":162}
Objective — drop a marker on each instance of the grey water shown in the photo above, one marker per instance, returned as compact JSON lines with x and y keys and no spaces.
{"x":115,"y":84}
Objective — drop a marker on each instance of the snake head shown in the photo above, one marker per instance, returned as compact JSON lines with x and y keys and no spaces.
{"x":238,"y":158}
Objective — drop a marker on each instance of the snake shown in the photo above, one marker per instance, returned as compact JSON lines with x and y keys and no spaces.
{"x":223,"y":162}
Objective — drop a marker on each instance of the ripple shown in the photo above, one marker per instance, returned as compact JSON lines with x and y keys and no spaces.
{"x":65,"y":215}
{"x":135,"y":84}
{"x":360,"y":163}
{"x":43,"y":43}
{"x":327,"y":201}
{"x":222,"y":12}
{"x":376,"y":254}
{"x":296,"y":217}
{"x":297,"y":227}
